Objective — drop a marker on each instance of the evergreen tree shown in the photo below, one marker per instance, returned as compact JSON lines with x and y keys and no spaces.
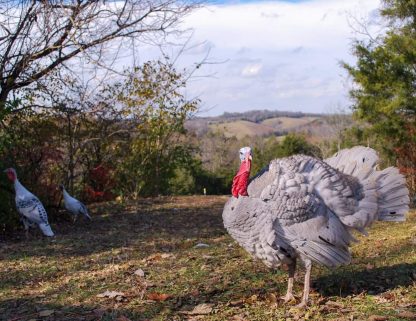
{"x":385,"y":78}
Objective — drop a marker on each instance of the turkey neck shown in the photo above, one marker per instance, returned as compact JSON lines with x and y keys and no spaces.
{"x":65,"y":192}
{"x":19,"y":188}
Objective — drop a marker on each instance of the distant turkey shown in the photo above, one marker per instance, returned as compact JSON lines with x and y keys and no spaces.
{"x":303,"y":208}
{"x":74,"y":206}
{"x":29,"y":207}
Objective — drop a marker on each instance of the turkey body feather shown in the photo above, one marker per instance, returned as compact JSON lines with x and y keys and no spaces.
{"x":306,"y":208}
{"x":74,"y":206}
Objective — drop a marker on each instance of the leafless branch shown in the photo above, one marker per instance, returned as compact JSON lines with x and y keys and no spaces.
{"x":36,"y":37}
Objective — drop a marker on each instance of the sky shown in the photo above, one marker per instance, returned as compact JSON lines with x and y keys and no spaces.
{"x":277,"y":55}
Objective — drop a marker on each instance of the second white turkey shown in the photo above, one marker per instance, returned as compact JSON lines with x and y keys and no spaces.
{"x":74,"y":206}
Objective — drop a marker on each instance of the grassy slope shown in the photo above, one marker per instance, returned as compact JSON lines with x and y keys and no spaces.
{"x":158,"y":236}
{"x":242,"y":128}
{"x":286,"y":123}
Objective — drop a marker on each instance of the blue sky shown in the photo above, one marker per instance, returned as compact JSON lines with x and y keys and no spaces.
{"x":278,"y":55}
{"x":249,"y":1}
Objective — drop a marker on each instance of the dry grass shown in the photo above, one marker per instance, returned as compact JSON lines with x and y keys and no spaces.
{"x":62,"y":278}
{"x":242,"y":128}
{"x":287,"y":123}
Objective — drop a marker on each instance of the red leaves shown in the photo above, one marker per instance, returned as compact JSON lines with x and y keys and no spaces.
{"x":101,"y":182}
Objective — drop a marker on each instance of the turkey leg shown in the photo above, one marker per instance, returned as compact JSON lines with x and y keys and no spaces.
{"x":306,"y":288}
{"x":289,"y":294}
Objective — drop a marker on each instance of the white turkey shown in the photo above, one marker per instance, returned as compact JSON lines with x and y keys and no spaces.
{"x":303,"y":208}
{"x":29,"y":207}
{"x":74,"y":206}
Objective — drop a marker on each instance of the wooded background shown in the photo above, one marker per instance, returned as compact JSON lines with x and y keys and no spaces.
{"x":136,"y":133}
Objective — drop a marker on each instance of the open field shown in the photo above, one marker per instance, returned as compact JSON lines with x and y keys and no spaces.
{"x":287,"y":123}
{"x":242,"y":128}
{"x":60,"y":279}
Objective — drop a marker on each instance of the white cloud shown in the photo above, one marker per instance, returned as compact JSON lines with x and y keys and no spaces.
{"x":251,"y":70}
{"x":276,"y":55}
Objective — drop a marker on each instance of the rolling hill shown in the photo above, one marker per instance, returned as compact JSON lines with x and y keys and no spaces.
{"x":266,"y":123}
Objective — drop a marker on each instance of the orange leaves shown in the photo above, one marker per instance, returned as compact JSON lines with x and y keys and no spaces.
{"x":155,"y":296}
{"x":157,"y":257}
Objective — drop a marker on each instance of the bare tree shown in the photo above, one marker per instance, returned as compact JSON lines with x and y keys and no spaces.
{"x":38,"y":36}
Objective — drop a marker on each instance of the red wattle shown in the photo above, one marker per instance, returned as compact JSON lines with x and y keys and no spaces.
{"x":240,"y":180}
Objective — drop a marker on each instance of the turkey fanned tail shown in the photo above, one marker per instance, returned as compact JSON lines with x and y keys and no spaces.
{"x":385,"y":196}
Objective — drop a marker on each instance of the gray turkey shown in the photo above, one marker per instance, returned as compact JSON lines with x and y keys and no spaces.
{"x":74,"y":206}
{"x":303,"y":208}
{"x":29,"y":207}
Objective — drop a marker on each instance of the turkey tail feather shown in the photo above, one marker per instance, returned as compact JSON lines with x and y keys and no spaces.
{"x":84,"y":211}
{"x":385,"y":195}
{"x":46,"y":229}
{"x":393,"y":195}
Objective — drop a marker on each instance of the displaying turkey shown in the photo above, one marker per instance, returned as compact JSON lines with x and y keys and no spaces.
{"x":303,"y":208}
{"x":29,"y":207}
{"x":74,"y":206}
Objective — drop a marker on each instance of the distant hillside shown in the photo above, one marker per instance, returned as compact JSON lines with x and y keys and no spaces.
{"x":242,"y":128}
{"x":266,"y":123}
{"x":288,"y":123}
{"x":257,"y":116}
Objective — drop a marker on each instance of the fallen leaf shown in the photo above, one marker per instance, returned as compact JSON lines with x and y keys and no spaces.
{"x":157,"y":257}
{"x":346,"y":310}
{"x":236,"y":302}
{"x":158,"y":296}
{"x":272,"y":298}
{"x":46,"y":313}
{"x":388,"y":296}
{"x":194,"y":293}
{"x":238,"y":317}
{"x":381,"y":299}
{"x":200,"y":309}
{"x":122,"y":318}
{"x":111,"y":294}
{"x":201,"y":246}
{"x":369,"y":266}
{"x":139,"y":272}
{"x":252,"y":299}
{"x":407,"y":305}
{"x":407,"y":315}
{"x":166,"y":255}
{"x":153,"y":257}
{"x":377,"y":318}
{"x":334,"y":304}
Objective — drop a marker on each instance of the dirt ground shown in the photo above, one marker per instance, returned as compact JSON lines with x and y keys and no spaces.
{"x":171,"y":259}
